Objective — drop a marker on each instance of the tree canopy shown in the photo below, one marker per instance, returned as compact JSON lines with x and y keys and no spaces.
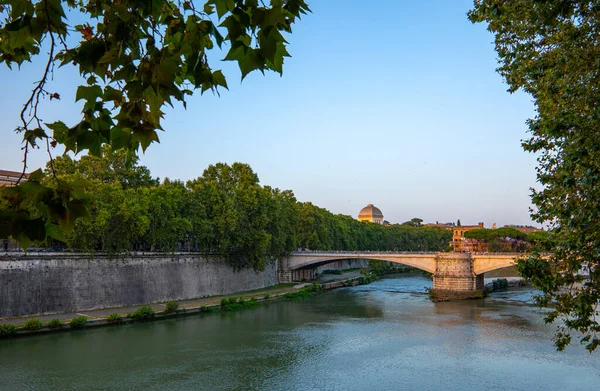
{"x":549,"y":49}
{"x":501,"y":239}
{"x":225,"y":212}
{"x":134,"y":57}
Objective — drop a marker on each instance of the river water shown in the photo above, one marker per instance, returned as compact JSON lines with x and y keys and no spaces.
{"x":382,"y":336}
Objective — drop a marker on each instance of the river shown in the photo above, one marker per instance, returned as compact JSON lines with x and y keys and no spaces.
{"x":382,"y":336}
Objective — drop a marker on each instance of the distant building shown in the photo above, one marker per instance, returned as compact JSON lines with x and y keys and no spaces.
{"x":10,"y":178}
{"x":524,"y":228}
{"x":462,"y":244}
{"x":371,"y":214}
{"x":440,"y":225}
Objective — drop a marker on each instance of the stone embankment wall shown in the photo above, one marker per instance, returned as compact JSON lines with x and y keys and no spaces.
{"x":56,"y":282}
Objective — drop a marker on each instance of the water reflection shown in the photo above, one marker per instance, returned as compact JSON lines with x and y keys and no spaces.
{"x":384,"y":336}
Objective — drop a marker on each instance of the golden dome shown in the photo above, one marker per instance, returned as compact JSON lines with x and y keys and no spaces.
{"x":370,"y":211}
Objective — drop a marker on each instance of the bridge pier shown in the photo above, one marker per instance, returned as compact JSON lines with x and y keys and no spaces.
{"x":455,"y":279}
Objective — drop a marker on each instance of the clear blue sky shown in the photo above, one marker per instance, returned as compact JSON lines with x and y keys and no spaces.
{"x":398,"y":105}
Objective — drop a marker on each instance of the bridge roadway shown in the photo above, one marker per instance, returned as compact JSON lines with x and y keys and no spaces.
{"x":461,"y":273}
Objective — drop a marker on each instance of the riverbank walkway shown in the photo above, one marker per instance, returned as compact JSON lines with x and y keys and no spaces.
{"x":272,"y":291}
{"x":275,"y":290}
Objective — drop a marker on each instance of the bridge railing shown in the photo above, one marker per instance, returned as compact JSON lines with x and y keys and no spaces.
{"x":334,"y":252}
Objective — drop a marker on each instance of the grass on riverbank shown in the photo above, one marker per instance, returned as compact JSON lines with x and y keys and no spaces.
{"x":305,"y":292}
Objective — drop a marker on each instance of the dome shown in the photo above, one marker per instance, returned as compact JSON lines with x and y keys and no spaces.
{"x":370,"y":211}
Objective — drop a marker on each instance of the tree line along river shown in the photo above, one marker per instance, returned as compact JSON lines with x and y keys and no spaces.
{"x":382,"y":336}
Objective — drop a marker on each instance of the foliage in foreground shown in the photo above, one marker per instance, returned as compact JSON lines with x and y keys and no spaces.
{"x":134,"y":58}
{"x":549,"y":49}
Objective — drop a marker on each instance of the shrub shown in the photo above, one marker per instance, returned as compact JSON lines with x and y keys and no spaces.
{"x":33,"y":325}
{"x":7,"y":330}
{"x":55,"y":324}
{"x":305,"y":292}
{"x":249,"y":303}
{"x":78,"y":322}
{"x":114,"y":318}
{"x":145,"y":312}
{"x":230,"y":304}
{"x":205,"y":309}
{"x":171,"y":307}
{"x":500,"y":284}
{"x":267,"y":296}
{"x":233,"y":304}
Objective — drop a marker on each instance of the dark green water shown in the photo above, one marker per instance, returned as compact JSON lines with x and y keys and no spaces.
{"x":384,"y":336}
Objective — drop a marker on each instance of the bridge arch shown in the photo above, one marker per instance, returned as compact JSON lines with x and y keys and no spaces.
{"x":487,"y":263}
{"x":424,"y":262}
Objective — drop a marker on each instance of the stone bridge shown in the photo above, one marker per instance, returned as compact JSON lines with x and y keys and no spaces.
{"x":460,"y":274}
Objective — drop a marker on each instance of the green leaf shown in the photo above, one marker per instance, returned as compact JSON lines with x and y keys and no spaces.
{"x":89,"y":94}
{"x":59,"y":129}
{"x":54,"y":231}
{"x":89,"y":140}
{"x":223,"y":6}
{"x":248,"y":59}
{"x":113,"y":94}
{"x":209,"y":8}
{"x":145,"y":137}
{"x":219,"y":79}
{"x":119,"y":138}
{"x":122,"y":11}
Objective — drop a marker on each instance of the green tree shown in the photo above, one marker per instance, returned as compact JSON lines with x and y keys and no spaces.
{"x":167,"y":212}
{"x":134,"y":57}
{"x":236,"y":210}
{"x":541,"y":240}
{"x":414,"y":222}
{"x":283,"y":215}
{"x":110,"y":167}
{"x":549,"y":49}
{"x":501,"y":239}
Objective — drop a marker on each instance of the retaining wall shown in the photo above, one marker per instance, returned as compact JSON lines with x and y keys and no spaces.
{"x":55,"y":282}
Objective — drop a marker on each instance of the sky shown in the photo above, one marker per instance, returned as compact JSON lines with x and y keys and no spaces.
{"x":397,"y":105}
